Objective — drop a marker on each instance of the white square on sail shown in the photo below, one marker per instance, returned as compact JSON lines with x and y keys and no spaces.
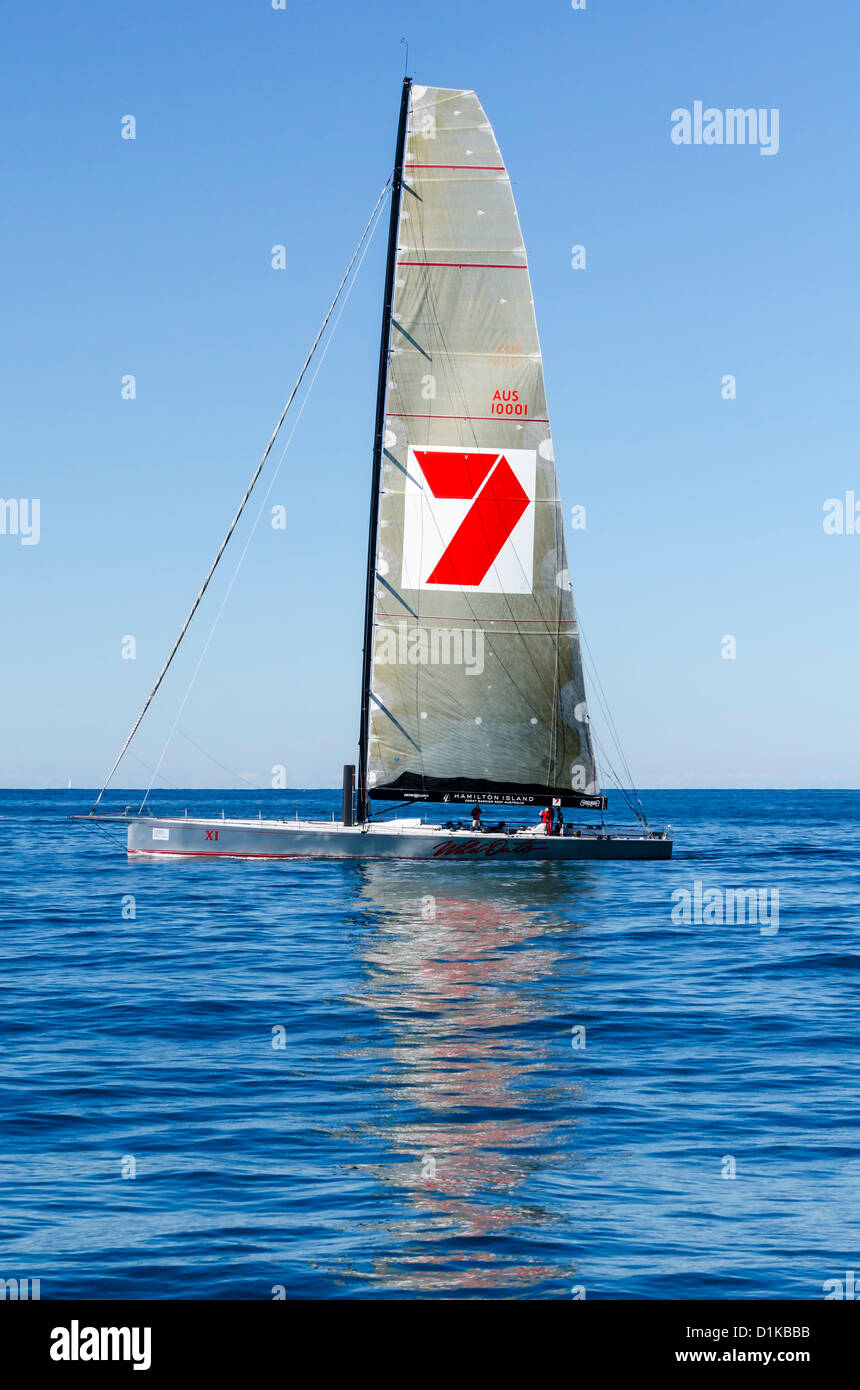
{"x":468,"y":519}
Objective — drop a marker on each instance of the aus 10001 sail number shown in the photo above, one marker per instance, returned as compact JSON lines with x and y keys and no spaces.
{"x":508,"y":403}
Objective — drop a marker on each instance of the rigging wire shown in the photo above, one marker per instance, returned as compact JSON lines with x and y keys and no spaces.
{"x":205,"y":751}
{"x":97,"y":825}
{"x":173,"y":785}
{"x":211,"y":756}
{"x":635,"y":804}
{"x":256,"y":522}
{"x":244,"y":501}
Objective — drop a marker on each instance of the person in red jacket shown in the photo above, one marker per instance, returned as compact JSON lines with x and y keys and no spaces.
{"x":546,"y":816}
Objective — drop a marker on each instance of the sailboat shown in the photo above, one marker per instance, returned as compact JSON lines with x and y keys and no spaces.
{"x":472,"y":688}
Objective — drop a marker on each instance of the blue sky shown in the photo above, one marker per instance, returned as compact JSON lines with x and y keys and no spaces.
{"x":258,"y":127}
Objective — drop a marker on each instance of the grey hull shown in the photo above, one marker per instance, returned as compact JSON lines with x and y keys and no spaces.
{"x":239,"y":839}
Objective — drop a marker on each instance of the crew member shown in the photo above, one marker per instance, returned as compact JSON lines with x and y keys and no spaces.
{"x":546,"y":816}
{"x":476,"y":817}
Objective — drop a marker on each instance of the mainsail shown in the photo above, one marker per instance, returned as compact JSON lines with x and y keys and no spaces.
{"x":475,"y":687}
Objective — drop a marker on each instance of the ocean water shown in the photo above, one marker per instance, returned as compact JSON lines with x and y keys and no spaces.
{"x":346,"y":1081}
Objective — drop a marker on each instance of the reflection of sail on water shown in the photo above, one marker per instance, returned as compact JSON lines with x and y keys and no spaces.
{"x":471,"y":553}
{"x":481,"y":1093}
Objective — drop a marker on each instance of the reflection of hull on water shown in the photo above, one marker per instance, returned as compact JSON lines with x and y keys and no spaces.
{"x":259,"y":839}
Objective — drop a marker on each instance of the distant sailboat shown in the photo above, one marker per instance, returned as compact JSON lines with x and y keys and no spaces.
{"x":472,"y":682}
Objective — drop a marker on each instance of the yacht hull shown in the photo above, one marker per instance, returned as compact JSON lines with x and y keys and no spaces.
{"x":238,"y":839}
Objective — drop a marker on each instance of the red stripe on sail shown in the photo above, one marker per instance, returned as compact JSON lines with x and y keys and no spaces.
{"x":501,"y":419}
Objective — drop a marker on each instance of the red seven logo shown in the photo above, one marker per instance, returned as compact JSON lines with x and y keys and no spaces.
{"x":498,"y":499}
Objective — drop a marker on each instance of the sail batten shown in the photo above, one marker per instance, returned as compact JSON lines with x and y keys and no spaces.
{"x":476,"y":686}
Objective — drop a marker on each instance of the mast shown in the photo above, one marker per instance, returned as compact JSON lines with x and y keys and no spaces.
{"x":381,"y":389}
